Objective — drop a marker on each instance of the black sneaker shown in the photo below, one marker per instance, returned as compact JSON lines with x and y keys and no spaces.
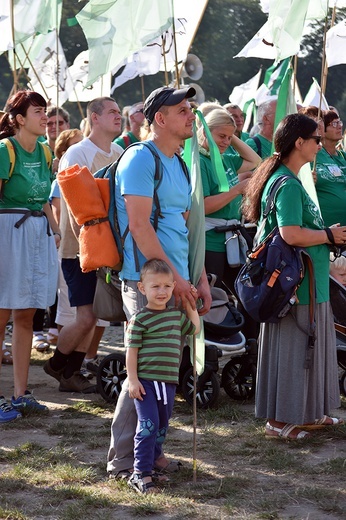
{"x":77,"y":383}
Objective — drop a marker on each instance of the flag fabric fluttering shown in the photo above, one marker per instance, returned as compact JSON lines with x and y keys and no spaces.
{"x":313,"y":96}
{"x":30,"y":17}
{"x":246,"y":91}
{"x":48,"y":74}
{"x":280,"y":36}
{"x":196,"y":227}
{"x":160,"y":53}
{"x":336,"y":44}
{"x":78,"y":74}
{"x":115,"y":30}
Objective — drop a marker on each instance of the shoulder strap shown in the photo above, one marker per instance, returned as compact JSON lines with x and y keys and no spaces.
{"x":258,"y":144}
{"x":270,"y":205}
{"x":47,"y":153}
{"x":11,"y":153}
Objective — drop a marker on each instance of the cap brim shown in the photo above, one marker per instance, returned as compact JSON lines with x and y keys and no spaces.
{"x":178,"y":95}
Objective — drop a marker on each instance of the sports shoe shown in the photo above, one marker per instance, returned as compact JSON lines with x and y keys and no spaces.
{"x":27,"y":404}
{"x":54,"y":373}
{"x":7,"y":412}
{"x":94,"y":364}
{"x":77,"y":383}
{"x":86,"y":373}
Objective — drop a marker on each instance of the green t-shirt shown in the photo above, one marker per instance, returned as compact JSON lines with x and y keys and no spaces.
{"x":266,"y":146}
{"x":295,"y":208}
{"x":158,"y":335}
{"x":331,"y":186}
{"x":29,"y":185}
{"x":121,"y":142}
{"x":232,"y":163}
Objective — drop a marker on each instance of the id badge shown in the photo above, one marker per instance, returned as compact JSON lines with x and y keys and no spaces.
{"x":334,"y":170}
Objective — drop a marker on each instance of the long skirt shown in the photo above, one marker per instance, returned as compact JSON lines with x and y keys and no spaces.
{"x":286,"y":390}
{"x":28,"y":263}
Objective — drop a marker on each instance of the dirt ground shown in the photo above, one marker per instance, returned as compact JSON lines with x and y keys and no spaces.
{"x":229,"y":443}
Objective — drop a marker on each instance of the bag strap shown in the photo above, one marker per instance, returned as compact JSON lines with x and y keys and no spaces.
{"x":258,"y":144}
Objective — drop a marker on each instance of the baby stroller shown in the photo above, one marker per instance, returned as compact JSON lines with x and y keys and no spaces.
{"x":230,"y":362}
{"x":338,"y":303}
{"x":226,"y":352}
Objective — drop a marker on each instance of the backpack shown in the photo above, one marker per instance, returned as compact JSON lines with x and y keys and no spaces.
{"x":107,"y":303}
{"x":109,"y":172}
{"x":12,"y":155}
{"x":267,"y":283}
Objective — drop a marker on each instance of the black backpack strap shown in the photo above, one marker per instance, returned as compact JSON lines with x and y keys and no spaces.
{"x":270,"y":204}
{"x":258,"y":144}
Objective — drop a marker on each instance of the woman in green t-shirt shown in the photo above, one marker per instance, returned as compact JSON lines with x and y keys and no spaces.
{"x":28,"y":240}
{"x":287,"y":392}
{"x":223,"y":207}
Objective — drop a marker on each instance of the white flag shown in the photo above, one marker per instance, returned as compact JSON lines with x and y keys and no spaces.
{"x":49,"y":74}
{"x":245,"y":92}
{"x":78,"y":74}
{"x":313,"y":97}
{"x":260,"y":46}
{"x":29,"y":17}
{"x":336,"y":44}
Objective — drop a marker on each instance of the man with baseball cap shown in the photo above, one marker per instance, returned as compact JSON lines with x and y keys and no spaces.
{"x":171,"y":122}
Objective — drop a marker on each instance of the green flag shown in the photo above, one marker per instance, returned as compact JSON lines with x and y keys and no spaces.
{"x":286,"y":23}
{"x":116,"y":29}
{"x":195,"y":224}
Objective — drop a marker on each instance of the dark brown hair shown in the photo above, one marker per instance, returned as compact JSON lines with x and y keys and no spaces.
{"x":288,"y":131}
{"x":18,"y":104}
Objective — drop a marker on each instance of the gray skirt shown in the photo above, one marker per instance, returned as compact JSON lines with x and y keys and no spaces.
{"x":285,"y":390}
{"x":28,"y":263}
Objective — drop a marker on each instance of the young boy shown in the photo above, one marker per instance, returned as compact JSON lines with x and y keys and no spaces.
{"x":153,"y":348}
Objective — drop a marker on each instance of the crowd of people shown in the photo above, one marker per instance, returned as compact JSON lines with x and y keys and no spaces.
{"x":40,"y":266}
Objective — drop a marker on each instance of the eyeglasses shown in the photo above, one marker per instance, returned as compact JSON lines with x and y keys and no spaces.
{"x":140,"y":110}
{"x":335,"y":124}
{"x":54,"y":123}
{"x":316,"y":138}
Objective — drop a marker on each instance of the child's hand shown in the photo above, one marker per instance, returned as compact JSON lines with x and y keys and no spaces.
{"x":136,"y":390}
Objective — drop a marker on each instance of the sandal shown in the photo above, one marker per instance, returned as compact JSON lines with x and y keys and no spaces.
{"x":144,"y":488}
{"x":52,"y":338}
{"x":160,"y":477}
{"x":323,"y":423}
{"x":290,"y":432}
{"x":40,"y":344}
{"x":172,"y":467}
{"x":124,"y":474}
{"x":7,"y":357}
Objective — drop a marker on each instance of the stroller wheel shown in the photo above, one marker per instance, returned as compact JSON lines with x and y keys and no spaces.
{"x":239,"y":379}
{"x":110,"y":376}
{"x":207,"y":391}
{"x":343,"y":383}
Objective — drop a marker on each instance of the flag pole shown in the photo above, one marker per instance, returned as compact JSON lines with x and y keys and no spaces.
{"x":15,"y":78}
{"x":194,"y":448}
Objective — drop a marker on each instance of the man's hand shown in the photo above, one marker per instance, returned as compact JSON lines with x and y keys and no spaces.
{"x":184,"y":292}
{"x":203,"y":292}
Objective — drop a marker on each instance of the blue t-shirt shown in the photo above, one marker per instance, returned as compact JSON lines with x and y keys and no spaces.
{"x":135,"y":176}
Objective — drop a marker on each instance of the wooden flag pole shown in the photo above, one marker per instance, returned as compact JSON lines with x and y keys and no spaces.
{"x":194,"y":449}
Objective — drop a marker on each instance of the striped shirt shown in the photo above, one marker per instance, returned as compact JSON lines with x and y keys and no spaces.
{"x":158,"y":335}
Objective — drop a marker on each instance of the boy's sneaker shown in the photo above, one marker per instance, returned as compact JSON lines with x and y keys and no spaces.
{"x":77,"y":383}
{"x":86,"y":373}
{"x":7,"y":412}
{"x":27,"y":404}
{"x":93,"y":364}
